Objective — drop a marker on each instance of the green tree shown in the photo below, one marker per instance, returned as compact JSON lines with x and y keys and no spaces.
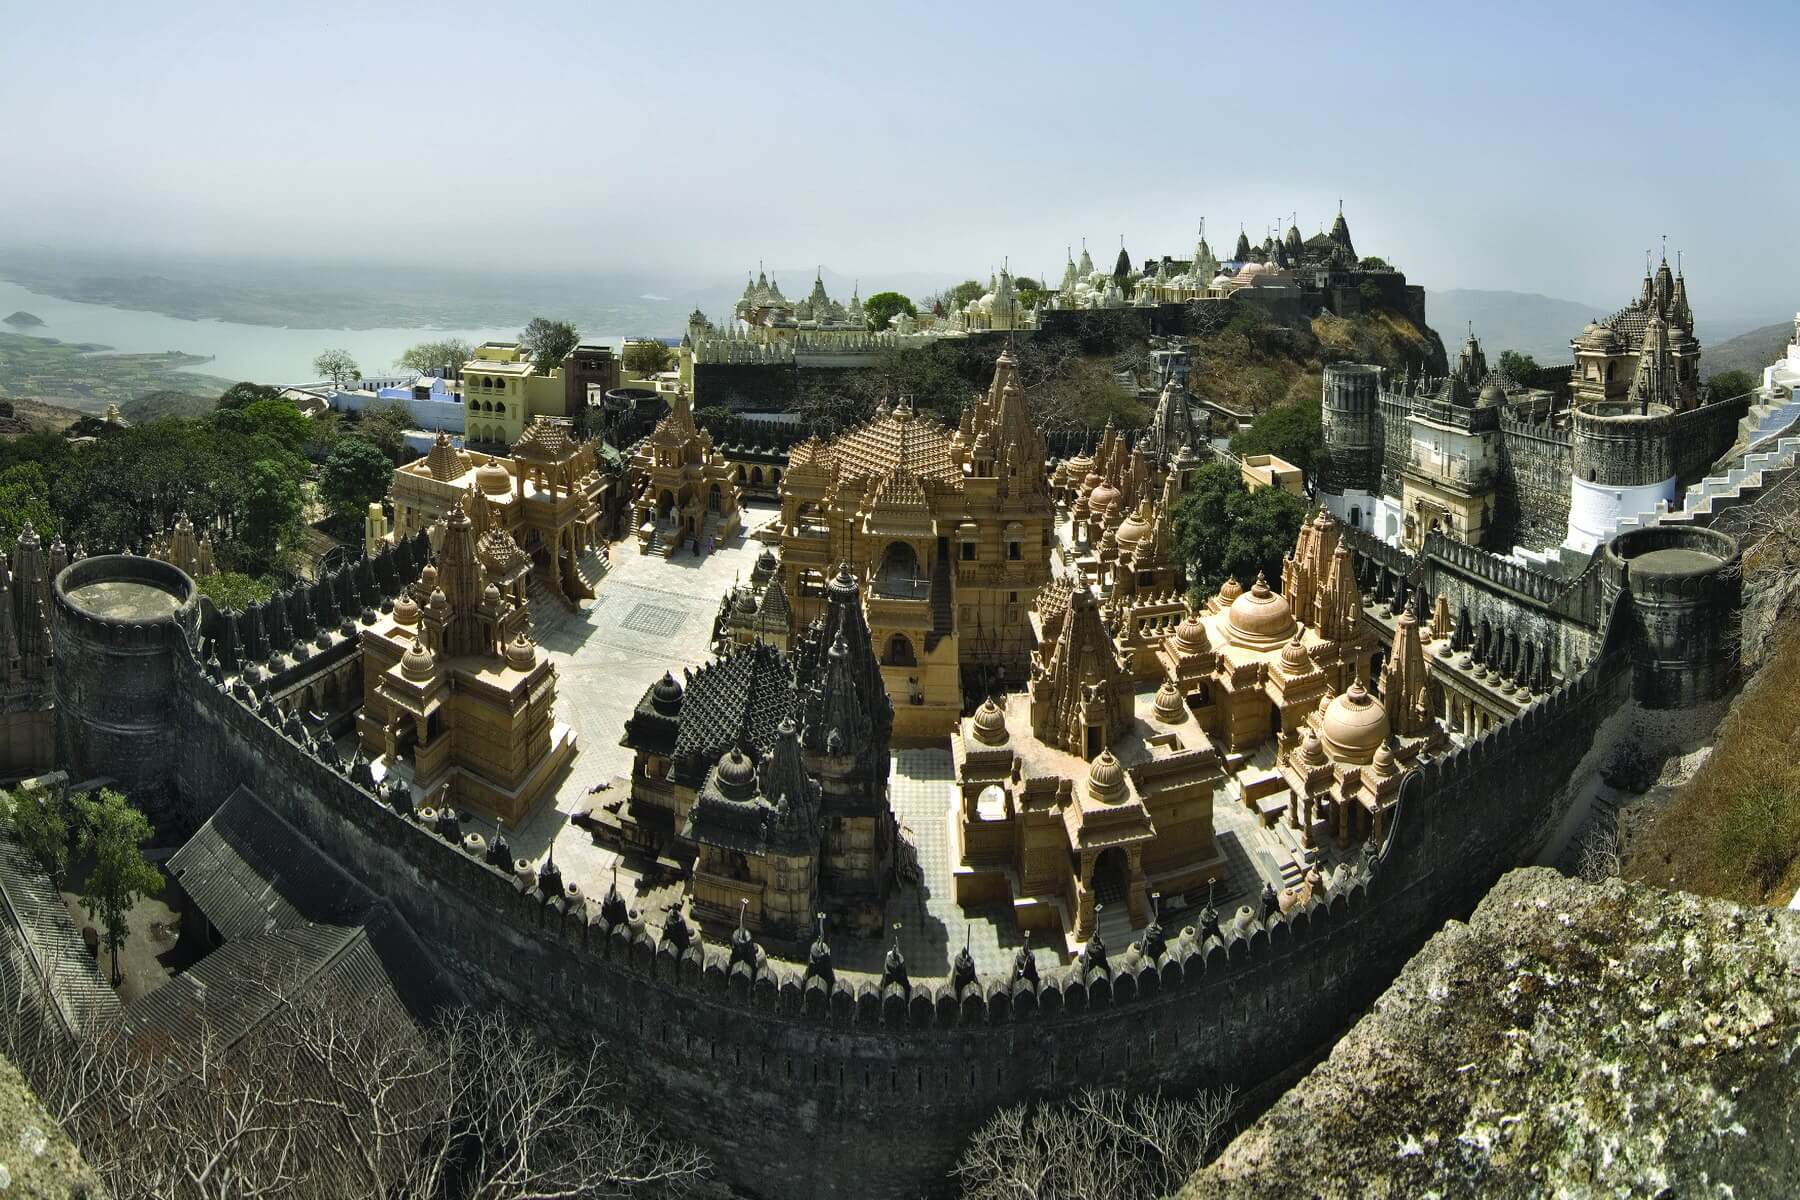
{"x":883,"y":307}
{"x":40,"y":821}
{"x":356,"y":475}
{"x":713,"y":415}
{"x":1521,"y":368}
{"x":271,"y":510}
{"x":1727,"y":384}
{"x":1224,"y":529}
{"x":645,"y":357}
{"x":25,"y":496}
{"x":427,"y":357}
{"x":1289,"y":431}
{"x":1372,"y":263}
{"x":243,"y":395}
{"x":233,"y":591}
{"x":283,"y":426}
{"x":385,"y":425}
{"x":548,"y":342}
{"x":337,"y":366}
{"x":1030,"y":292}
{"x":112,"y":832}
{"x":958,"y":296}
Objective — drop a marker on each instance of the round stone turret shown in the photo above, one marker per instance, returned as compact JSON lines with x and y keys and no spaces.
{"x":1350,"y":460}
{"x":115,"y":630}
{"x":1684,"y":589}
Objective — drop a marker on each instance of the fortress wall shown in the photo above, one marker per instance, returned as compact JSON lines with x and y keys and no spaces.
{"x":770,"y":387}
{"x":1701,"y":435}
{"x":799,"y":1089}
{"x":1396,"y":441}
{"x":1535,"y":465}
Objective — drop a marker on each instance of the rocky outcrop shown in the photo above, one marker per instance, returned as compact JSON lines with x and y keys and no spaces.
{"x":36,"y":1160}
{"x":23,"y":320}
{"x":1571,"y":1039}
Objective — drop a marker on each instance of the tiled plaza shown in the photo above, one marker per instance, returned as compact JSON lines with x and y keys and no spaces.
{"x":651,"y":615}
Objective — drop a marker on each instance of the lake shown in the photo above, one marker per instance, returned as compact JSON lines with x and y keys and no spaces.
{"x":264,"y":353}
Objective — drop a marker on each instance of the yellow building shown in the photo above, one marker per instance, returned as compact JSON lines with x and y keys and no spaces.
{"x":948,"y":531}
{"x":456,"y":698}
{"x":503,"y":390}
{"x":1267,"y":470}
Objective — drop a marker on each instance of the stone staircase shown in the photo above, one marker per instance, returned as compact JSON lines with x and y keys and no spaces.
{"x":1115,"y":927}
{"x":709,"y":532}
{"x":663,"y":542}
{"x":1770,"y":432}
{"x":942,"y":605}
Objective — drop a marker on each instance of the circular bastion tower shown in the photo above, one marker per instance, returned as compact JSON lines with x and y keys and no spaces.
{"x":117,"y":622}
{"x":1622,"y":464}
{"x":1350,"y":458}
{"x":1685,"y":589}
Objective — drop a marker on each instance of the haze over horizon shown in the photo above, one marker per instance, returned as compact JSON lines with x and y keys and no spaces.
{"x":1536,"y":149}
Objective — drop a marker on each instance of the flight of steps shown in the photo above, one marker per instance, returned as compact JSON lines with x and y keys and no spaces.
{"x":591,"y":568}
{"x":1115,"y":927}
{"x":662,"y":542}
{"x":1770,"y":431}
{"x":709,"y":532}
{"x":942,"y":615}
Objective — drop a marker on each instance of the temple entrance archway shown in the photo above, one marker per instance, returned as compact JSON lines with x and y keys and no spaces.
{"x":665,"y":504}
{"x":1112,"y":876}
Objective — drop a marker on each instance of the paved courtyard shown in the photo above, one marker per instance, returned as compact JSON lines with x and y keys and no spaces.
{"x":651,"y":615}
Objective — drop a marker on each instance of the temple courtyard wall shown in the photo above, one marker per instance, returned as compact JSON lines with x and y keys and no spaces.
{"x":841,"y":1087}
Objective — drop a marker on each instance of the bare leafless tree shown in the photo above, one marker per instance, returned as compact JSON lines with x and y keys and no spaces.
{"x":1098,"y":1145}
{"x":322,"y":1098}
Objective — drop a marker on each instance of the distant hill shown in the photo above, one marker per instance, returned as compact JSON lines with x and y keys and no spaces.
{"x":1540,"y":326}
{"x":23,"y":320}
{"x":1748,"y":351}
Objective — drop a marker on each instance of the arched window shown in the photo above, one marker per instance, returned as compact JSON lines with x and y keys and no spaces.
{"x":741,"y":476}
{"x":900,"y":576}
{"x":756,"y":477}
{"x":775,"y":476}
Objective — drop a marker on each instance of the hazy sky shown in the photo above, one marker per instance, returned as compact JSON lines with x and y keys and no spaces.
{"x":1536,"y":147}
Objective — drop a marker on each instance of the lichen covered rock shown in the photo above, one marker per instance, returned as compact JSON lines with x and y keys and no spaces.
{"x":1570,"y":1040}
{"x":36,"y":1160}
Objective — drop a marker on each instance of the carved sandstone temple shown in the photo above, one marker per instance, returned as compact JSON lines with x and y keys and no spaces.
{"x":686,"y":492}
{"x":946,"y":531}
{"x":1097,"y":787}
{"x":456,"y":697}
{"x":546,"y":500}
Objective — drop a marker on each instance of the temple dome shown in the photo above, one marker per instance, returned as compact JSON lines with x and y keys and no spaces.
{"x":1312,"y":751}
{"x":1492,"y":395}
{"x":1102,"y":497}
{"x":737,"y":775}
{"x":666,"y":695}
{"x":521,"y":655}
{"x":493,"y":479}
{"x":990,"y":724}
{"x":1260,"y":618}
{"x":1169,"y":708}
{"x":1355,"y":725}
{"x":1136,"y":527}
{"x":406,"y":610}
{"x":1598,"y":337}
{"x":418,"y":662}
{"x":1106,"y":779}
{"x":1294,"y":658}
{"x":1230,"y":590}
{"x":1190,"y":635}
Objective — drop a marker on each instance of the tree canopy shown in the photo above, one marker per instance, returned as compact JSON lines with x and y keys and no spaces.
{"x":40,"y":821}
{"x":883,"y":307}
{"x":1521,"y":368}
{"x":961,"y":294}
{"x":548,"y":342}
{"x":233,"y":591}
{"x":426,"y":357}
{"x":112,"y":833}
{"x":242,"y":395}
{"x":1224,"y":529}
{"x":337,"y":366}
{"x":356,"y":475}
{"x":1290,"y":431}
{"x":1727,"y":384}
{"x":385,"y":425}
{"x":646,"y":357}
